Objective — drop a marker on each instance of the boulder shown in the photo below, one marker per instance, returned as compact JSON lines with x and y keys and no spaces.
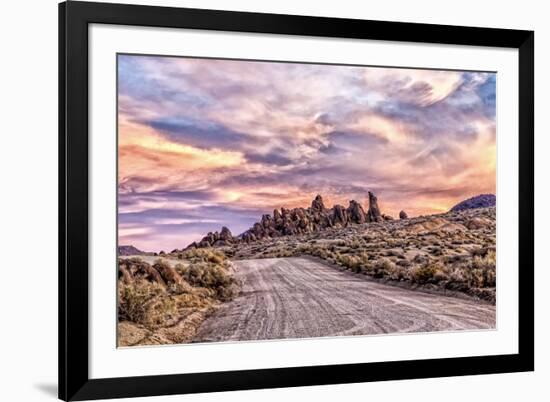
{"x":403,"y":215}
{"x":167,"y":273}
{"x":134,"y":268}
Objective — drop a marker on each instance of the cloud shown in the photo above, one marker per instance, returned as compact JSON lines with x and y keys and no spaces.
{"x":205,"y":143}
{"x":419,"y":87}
{"x":198,"y":133}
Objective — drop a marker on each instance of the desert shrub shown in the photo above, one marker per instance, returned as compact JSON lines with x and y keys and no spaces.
{"x":320,"y":252}
{"x":397,"y":272}
{"x":380,"y":268}
{"x":396,"y":253}
{"x":428,"y":272}
{"x":348,"y":261}
{"x":363,"y":256}
{"x":304,"y":249}
{"x":144,"y":303}
{"x":458,"y":278}
{"x":215,"y":258}
{"x":355,"y":244}
{"x":160,"y":311}
{"x":479,"y":252}
{"x":204,"y":254}
{"x":475,"y":278}
{"x":435,"y":250}
{"x":211,"y":276}
{"x":482,"y":270}
{"x":179,"y":288}
{"x":284,"y":253}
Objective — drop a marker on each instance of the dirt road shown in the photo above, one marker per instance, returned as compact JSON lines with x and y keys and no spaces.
{"x":301,"y":297}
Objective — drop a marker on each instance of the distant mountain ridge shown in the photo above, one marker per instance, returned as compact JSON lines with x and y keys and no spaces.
{"x":479,"y":201}
{"x":130,"y":250}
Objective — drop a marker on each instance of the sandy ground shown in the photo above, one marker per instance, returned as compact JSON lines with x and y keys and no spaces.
{"x":300,"y":297}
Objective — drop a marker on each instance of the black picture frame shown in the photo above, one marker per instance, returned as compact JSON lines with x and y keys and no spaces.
{"x":74,"y":18}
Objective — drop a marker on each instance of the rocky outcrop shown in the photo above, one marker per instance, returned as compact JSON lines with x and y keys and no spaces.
{"x":215,"y":239}
{"x":403,"y":215}
{"x":373,"y":214}
{"x":297,"y":221}
{"x":479,"y":201}
{"x":133,"y":268}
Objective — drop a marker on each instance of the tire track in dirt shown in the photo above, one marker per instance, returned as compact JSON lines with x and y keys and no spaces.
{"x":304,"y":298}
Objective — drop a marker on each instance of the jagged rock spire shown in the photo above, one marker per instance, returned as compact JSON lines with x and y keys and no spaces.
{"x":373,"y":214}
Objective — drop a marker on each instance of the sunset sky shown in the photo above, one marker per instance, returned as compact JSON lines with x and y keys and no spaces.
{"x":205,"y":143}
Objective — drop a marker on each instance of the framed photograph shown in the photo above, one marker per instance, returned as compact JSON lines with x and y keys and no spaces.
{"x":257,"y":200}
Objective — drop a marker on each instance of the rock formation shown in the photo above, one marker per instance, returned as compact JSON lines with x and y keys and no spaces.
{"x":216,"y":239}
{"x":297,"y":221}
{"x":134,"y":268}
{"x":373,"y":214}
{"x":403,"y":215}
{"x":339,"y":215}
{"x":355,"y":212}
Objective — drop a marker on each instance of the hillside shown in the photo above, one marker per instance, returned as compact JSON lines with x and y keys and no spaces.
{"x":479,"y":201}
{"x":130,"y":250}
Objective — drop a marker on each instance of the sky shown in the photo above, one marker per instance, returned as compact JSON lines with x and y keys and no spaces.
{"x":206,"y":143}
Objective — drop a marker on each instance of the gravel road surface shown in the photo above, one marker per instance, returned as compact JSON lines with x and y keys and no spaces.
{"x":303,"y":298}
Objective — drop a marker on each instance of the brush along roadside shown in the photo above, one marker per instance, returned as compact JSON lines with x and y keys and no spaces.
{"x":166,"y":301}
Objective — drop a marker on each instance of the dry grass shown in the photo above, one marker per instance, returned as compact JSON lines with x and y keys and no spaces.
{"x":140,"y":302}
